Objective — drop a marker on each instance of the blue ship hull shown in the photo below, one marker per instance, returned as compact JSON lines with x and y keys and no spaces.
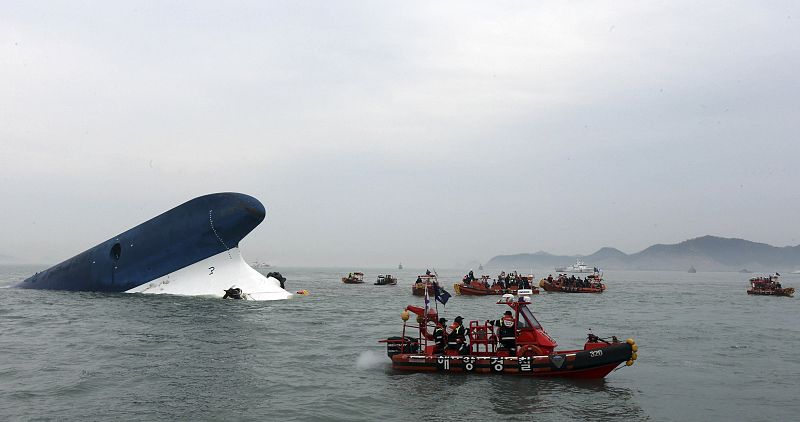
{"x":207,"y":226}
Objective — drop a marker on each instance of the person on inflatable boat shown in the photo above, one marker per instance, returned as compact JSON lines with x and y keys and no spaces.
{"x":457,"y":336}
{"x":508,"y":339}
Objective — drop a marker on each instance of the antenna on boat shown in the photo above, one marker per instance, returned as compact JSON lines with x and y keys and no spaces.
{"x":435,"y":304}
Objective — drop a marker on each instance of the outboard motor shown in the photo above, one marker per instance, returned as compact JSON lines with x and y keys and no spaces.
{"x":276,"y":275}
{"x":233,"y":293}
{"x":396,"y":345}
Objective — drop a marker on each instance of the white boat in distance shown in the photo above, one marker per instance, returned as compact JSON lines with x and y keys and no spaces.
{"x":578,"y":267}
{"x":259,"y":265}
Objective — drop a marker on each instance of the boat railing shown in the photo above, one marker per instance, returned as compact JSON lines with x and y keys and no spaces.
{"x":482,"y":336}
{"x":482,"y":339}
{"x":422,"y":341}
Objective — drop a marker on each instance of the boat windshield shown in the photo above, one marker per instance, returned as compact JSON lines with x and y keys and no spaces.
{"x":527,"y":320}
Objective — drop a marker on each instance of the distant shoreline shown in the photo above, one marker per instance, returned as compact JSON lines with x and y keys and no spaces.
{"x":706,"y":253}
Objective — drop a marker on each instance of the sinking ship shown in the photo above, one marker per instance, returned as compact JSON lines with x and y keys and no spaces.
{"x":192,"y":249}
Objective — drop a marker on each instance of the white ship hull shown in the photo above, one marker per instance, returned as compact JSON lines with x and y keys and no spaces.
{"x":212,"y":276}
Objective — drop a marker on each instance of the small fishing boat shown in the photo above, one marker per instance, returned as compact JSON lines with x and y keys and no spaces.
{"x":386,"y":280}
{"x":477,"y":288}
{"x":483,"y":288}
{"x":354,"y":278}
{"x":692,"y":270}
{"x":424,"y":282}
{"x":564,"y":284}
{"x":473,"y":289}
{"x":400,"y":266}
{"x":529,"y":352}
{"x":769,"y":286}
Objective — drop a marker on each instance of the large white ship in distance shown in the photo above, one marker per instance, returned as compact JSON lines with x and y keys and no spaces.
{"x":578,"y":267}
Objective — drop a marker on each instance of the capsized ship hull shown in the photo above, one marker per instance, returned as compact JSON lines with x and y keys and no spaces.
{"x":192,"y":249}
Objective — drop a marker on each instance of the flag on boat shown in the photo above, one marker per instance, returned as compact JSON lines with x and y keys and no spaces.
{"x":441,"y":294}
{"x":427,"y":302}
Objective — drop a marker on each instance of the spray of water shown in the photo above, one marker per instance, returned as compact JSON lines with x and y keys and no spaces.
{"x":371,"y":360}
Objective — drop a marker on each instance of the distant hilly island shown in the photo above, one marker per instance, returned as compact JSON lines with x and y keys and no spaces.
{"x":707,"y":253}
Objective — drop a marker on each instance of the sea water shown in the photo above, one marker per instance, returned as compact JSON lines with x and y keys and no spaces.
{"x":707,"y":351}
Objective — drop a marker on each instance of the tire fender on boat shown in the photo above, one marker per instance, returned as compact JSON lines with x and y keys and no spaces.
{"x":634,"y":350}
{"x":530,"y":350}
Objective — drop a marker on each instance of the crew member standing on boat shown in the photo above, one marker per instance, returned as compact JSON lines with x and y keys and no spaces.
{"x":506,"y":332}
{"x":457,"y":336}
{"x":439,"y":337}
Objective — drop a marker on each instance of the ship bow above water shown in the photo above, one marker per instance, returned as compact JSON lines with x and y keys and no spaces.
{"x":192,"y":249}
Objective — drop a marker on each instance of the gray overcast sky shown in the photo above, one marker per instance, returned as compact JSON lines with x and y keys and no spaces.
{"x":432,"y":133}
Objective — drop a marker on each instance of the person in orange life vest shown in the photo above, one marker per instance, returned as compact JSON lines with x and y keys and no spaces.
{"x":457,"y":336}
{"x":507,"y":334}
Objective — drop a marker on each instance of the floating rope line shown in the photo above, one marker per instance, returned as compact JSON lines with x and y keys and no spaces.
{"x":211,"y":220}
